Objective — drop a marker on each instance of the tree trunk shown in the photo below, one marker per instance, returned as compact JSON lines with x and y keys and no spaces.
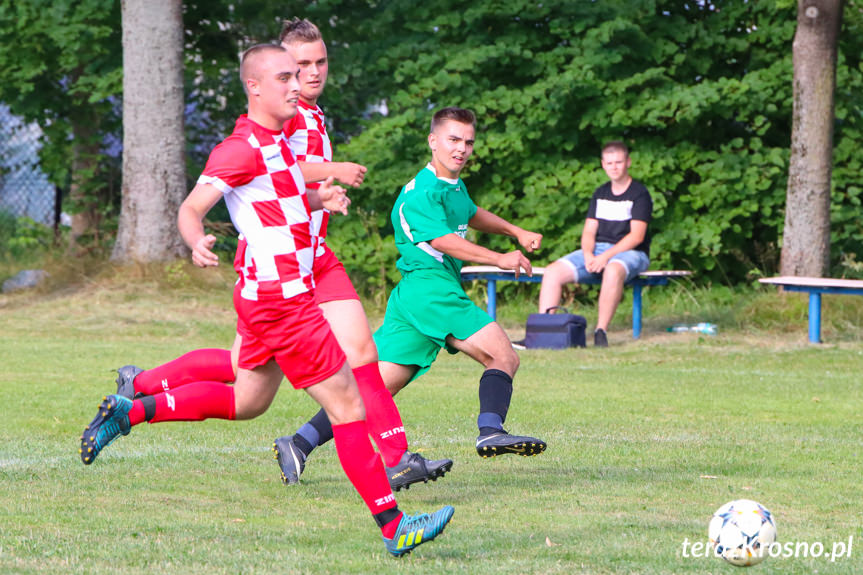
{"x":154,"y":171}
{"x":806,"y":242}
{"x":82,"y":203}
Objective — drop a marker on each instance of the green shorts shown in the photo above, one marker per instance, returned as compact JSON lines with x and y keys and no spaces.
{"x":425,"y":307}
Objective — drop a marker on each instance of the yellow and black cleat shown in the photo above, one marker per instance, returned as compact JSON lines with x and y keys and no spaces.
{"x":502,"y":443}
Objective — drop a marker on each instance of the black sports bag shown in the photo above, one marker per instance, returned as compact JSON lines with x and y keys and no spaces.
{"x":555,"y":330}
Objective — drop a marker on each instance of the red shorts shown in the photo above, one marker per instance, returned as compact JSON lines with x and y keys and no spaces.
{"x":291,"y":331}
{"x":331,"y":280}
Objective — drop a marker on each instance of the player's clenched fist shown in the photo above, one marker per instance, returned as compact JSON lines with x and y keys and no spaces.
{"x":350,"y":174}
{"x":531,"y":241}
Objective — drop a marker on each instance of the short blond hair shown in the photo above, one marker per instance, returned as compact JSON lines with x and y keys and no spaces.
{"x":615,"y":146}
{"x":299,"y":31}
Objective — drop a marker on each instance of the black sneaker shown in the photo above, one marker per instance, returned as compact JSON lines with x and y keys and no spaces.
{"x":291,"y":460}
{"x":502,"y":442}
{"x":414,"y":468}
{"x":518,"y":344}
{"x":600,"y":338}
{"x":125,"y":381}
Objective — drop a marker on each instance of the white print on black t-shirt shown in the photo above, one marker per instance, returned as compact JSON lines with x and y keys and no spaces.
{"x":613,"y":211}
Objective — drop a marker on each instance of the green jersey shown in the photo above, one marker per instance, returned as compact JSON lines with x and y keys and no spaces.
{"x":429,"y":207}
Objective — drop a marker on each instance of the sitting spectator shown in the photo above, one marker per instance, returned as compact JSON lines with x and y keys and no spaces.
{"x":615,"y":245}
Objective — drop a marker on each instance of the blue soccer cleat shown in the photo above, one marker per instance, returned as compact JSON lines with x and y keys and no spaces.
{"x":111,"y":421}
{"x":414,"y":530}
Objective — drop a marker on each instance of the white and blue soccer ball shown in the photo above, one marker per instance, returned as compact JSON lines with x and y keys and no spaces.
{"x":741,"y":532}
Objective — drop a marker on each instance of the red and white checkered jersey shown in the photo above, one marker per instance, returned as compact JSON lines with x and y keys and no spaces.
{"x":263,"y":186}
{"x":308,"y":139}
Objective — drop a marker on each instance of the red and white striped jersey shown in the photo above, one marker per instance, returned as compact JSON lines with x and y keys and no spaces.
{"x":308,"y":139}
{"x":263,"y":186}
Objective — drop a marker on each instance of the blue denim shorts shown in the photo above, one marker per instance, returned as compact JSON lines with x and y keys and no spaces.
{"x":633,"y":261}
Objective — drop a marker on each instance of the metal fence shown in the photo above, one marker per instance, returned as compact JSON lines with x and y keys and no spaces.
{"x":24,"y":189}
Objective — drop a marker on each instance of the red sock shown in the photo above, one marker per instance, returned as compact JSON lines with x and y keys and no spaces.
{"x":198,"y":365}
{"x":363,"y":467}
{"x":389,"y":530}
{"x":137,"y":414}
{"x":382,"y":415}
{"x":192,"y":402}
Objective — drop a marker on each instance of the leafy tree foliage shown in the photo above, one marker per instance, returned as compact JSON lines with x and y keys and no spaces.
{"x":61,"y":62}
{"x":700,"y":91}
{"x":846,"y":234}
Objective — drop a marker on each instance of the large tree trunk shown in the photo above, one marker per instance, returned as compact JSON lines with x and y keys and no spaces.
{"x":154,"y":180}
{"x":806,"y":242}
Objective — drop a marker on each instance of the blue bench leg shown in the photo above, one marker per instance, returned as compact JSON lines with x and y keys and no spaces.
{"x":492,"y":299}
{"x":814,"y":317}
{"x":636,"y":311}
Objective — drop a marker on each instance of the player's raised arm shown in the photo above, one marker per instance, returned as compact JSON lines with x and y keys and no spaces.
{"x":485,"y":221}
{"x":190,"y":222}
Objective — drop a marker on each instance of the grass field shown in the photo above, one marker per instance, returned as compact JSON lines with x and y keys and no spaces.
{"x":646,"y":439}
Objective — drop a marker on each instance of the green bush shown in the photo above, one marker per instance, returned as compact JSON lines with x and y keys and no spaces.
{"x":702,"y":92}
{"x":23,"y":238}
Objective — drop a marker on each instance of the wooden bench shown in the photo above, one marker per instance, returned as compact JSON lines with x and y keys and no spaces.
{"x":815,"y":287}
{"x":492,"y":275}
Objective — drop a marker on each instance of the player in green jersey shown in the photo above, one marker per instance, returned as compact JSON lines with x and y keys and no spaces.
{"x":429,"y":310}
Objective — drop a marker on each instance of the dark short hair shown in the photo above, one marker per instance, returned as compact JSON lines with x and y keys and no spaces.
{"x":616,"y":145}
{"x":460,"y":115}
{"x":296,"y":30}
{"x":252,"y":53}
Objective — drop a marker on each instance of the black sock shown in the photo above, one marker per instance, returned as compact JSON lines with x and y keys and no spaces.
{"x":322,"y":423}
{"x":149,"y":407}
{"x":495,"y":394}
{"x":386,"y":516}
{"x":313,"y":433}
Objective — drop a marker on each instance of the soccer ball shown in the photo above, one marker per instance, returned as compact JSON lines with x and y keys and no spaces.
{"x":741,"y":532}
